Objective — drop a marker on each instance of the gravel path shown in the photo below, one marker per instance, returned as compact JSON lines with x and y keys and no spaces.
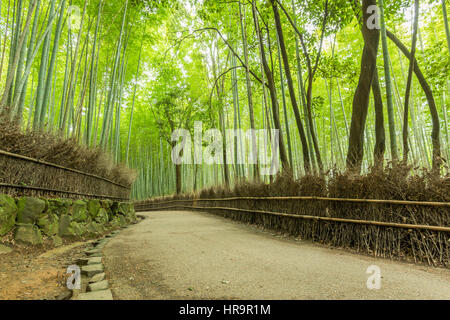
{"x":191,"y":255}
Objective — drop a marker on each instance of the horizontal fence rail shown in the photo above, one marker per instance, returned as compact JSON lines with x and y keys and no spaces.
{"x":418,"y":231}
{"x":24,"y":176}
{"x":156,"y":205}
{"x":306,"y":217}
{"x":86,"y":195}
{"x":49,"y":164}
{"x":374,"y":201}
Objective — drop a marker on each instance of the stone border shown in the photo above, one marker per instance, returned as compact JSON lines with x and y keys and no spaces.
{"x":29,"y":218}
{"x":94,"y":285}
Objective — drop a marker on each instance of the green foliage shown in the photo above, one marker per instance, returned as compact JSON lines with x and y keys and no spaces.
{"x":89,"y":94}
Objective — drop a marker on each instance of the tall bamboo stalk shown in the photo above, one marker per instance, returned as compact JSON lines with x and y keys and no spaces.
{"x":67,"y":108}
{"x":4,"y":39}
{"x":243,"y":24}
{"x":408,"y":83}
{"x":52,"y":66}
{"x":42,"y":84}
{"x":387,"y":76}
{"x":108,"y":107}
{"x":14,"y":58}
{"x":447,"y":29}
{"x":132,"y":105}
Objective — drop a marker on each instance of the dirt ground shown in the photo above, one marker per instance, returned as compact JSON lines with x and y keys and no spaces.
{"x":37,"y":273}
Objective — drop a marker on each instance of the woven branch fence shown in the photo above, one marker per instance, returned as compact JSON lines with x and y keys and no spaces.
{"x":408,"y":230}
{"x":24,"y":176}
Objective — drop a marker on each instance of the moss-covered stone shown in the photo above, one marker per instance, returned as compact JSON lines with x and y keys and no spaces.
{"x":114,"y":208}
{"x":58,"y":206}
{"x":57,"y":241}
{"x":102,"y":216}
{"x":122,"y":221}
{"x":29,"y":210}
{"x":49,"y":224}
{"x":106,"y":204}
{"x":94,"y":208}
{"x":64,"y":226}
{"x":78,"y":211}
{"x":82,"y":230}
{"x":8,"y":214}
{"x":131,"y":214}
{"x":61,"y":217}
{"x":47,"y":205}
{"x":77,"y":229}
{"x":123,"y":208}
{"x":110,"y":214}
{"x":131,"y":217}
{"x":74,"y":229}
{"x":28,"y":234}
{"x":95,"y":228}
{"x":114,"y":223}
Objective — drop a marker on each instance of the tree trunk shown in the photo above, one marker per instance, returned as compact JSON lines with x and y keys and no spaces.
{"x":361,"y":98}
{"x":178,"y":178}
{"x":435,"y":134}
{"x":409,"y":81}
{"x":306,"y":158}
{"x":380,"y":135}
{"x":387,"y":72}
{"x":249,"y":86}
{"x":273,"y":95}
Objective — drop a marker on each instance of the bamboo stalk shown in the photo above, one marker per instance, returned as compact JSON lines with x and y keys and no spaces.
{"x":387,"y":72}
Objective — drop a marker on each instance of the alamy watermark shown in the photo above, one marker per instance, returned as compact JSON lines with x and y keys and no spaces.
{"x":374,"y":280}
{"x":253,"y":147}
{"x":74,"y":17}
{"x":74,"y":281}
{"x":373,"y":22}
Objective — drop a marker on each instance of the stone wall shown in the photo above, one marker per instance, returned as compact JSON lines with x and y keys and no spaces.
{"x":32,"y":218}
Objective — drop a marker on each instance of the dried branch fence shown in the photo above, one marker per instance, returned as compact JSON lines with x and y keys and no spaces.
{"x":25,"y":176}
{"x":418,"y":231}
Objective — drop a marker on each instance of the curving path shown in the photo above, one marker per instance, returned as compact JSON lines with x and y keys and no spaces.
{"x":192,"y":255}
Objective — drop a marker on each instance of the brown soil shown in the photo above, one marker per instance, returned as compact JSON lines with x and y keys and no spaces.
{"x":37,"y":273}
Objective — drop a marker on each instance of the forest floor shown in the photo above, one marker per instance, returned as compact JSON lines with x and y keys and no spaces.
{"x":192,"y":255}
{"x":38,"y":273}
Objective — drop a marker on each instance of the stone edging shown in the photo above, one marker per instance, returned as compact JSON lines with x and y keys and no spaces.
{"x":94,"y":284}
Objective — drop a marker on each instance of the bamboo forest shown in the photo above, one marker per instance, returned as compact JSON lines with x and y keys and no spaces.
{"x":191,"y":150}
{"x":122,"y":75}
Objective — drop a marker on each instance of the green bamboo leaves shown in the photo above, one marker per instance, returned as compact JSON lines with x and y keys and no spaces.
{"x":95,"y":71}
{"x":108,"y":116}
